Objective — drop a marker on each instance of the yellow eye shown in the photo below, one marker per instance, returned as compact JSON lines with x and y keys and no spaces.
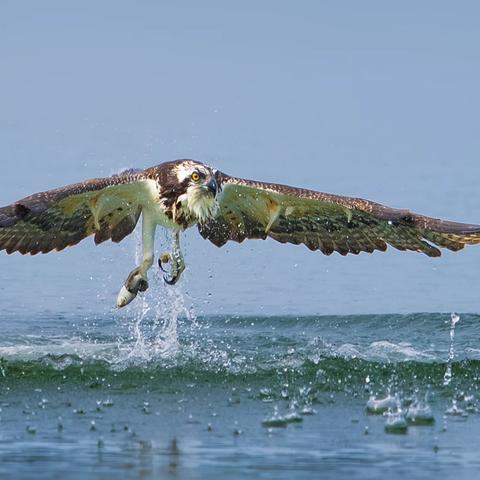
{"x":195,"y":177}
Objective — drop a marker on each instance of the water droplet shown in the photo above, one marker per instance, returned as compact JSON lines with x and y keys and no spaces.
{"x":447,"y":378}
{"x":31,"y":429}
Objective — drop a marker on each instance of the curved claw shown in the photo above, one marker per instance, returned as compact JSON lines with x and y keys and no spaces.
{"x":170,"y":281}
{"x":160,"y":265}
{"x":173,"y":274}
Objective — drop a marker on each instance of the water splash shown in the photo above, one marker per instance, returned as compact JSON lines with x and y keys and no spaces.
{"x":455,"y":409}
{"x":396,"y":423}
{"x":379,"y":406}
{"x":447,"y":378}
{"x":282,"y":421}
{"x":153,"y":331}
{"x":419,"y":413}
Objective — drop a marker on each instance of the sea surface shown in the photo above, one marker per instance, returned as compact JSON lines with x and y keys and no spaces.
{"x":156,"y":391}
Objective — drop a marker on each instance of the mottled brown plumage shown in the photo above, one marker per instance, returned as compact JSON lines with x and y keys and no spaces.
{"x":62,"y":217}
{"x":325,"y":222}
{"x":109,"y":208}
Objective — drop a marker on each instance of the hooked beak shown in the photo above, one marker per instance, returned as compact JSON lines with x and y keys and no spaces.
{"x":211,"y":185}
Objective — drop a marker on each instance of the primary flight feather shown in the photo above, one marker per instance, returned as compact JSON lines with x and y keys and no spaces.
{"x":183,"y":193}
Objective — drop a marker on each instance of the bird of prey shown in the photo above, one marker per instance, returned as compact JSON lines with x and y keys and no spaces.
{"x":184,"y":193}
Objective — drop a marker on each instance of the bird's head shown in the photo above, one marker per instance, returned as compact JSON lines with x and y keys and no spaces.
{"x":198,"y":188}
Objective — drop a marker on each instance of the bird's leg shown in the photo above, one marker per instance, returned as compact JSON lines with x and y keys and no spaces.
{"x":176,"y":258}
{"x":137,"y":280}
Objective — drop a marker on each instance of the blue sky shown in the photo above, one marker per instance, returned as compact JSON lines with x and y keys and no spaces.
{"x":372,"y":99}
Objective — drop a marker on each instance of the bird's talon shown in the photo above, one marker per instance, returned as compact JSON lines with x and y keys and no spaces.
{"x":142,"y":285}
{"x":170,"y":281}
{"x":135,"y":283}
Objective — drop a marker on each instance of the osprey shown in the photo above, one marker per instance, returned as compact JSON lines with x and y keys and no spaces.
{"x":183,"y":193}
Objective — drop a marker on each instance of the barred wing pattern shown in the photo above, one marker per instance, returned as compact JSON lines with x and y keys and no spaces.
{"x":59,"y":218}
{"x":325,"y":222}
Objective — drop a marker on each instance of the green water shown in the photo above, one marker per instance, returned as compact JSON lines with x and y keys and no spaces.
{"x":166,"y":395}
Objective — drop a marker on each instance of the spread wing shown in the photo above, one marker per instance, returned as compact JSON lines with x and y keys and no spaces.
{"x":321,"y":221}
{"x":108,"y":208}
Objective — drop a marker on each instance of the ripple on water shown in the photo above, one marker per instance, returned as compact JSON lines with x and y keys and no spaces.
{"x":276,"y":420}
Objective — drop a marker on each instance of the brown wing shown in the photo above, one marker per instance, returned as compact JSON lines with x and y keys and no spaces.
{"x":249,"y":209}
{"x":106,"y":207}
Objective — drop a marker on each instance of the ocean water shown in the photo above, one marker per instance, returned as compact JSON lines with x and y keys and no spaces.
{"x":156,"y":391}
